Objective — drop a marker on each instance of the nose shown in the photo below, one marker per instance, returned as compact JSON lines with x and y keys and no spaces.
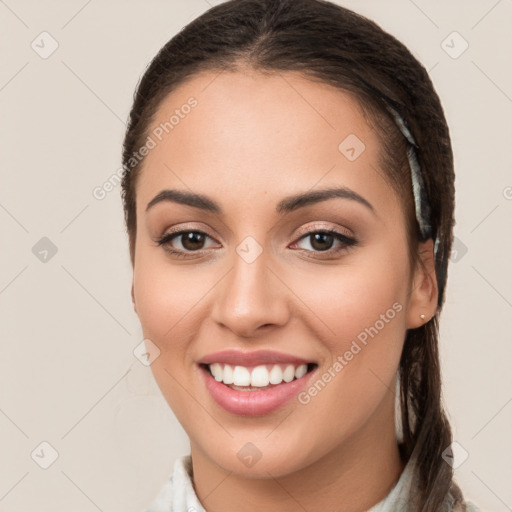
{"x":251,"y":298}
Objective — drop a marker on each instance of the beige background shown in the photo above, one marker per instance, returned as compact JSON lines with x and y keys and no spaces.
{"x":68,"y":375}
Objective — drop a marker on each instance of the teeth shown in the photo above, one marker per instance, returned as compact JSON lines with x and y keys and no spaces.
{"x":276,"y":375}
{"x":227,"y":378}
{"x":217,"y":372}
{"x":259,"y":376}
{"x":241,"y":376}
{"x":289,"y":373}
{"x":301,"y":371}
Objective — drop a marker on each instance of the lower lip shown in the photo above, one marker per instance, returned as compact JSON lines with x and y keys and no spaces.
{"x":253,"y":403}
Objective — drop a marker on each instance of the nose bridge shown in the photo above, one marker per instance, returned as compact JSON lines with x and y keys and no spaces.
{"x":251,"y":295}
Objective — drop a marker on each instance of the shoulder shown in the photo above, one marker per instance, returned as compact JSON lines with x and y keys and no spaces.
{"x":163,"y":501}
{"x":468,"y":506}
{"x":471,"y":507}
{"x":177,"y":494}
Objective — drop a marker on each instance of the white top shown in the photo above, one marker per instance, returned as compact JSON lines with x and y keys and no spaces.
{"x":178,"y":495}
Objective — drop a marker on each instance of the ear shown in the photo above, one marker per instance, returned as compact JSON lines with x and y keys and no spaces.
{"x":424,"y":290}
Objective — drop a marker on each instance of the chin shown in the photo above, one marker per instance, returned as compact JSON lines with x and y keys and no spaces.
{"x":256,"y":457}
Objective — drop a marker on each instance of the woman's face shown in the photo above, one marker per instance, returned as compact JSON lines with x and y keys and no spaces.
{"x":260,"y":283}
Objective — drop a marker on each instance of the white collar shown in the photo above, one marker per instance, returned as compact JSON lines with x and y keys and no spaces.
{"x":178,"y":493}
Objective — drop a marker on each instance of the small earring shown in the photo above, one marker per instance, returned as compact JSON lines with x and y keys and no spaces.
{"x":422,"y":316}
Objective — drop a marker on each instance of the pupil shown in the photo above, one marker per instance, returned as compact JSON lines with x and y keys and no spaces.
{"x":192,"y":240}
{"x":319,"y":239}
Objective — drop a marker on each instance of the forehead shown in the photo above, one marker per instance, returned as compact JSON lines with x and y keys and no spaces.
{"x":249,"y":132}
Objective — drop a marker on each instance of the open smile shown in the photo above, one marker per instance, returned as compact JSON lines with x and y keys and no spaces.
{"x":255,"y":390}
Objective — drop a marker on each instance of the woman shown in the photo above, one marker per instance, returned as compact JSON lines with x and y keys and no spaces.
{"x":289,"y":196}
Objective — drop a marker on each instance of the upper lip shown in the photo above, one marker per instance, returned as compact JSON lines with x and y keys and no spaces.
{"x":253,"y":358}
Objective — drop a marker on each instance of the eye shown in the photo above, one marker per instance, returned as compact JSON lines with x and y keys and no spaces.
{"x":190,"y":241}
{"x":321,"y":241}
{"x":193,"y":241}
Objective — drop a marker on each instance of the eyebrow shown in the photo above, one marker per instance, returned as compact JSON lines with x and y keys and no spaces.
{"x":286,"y":205}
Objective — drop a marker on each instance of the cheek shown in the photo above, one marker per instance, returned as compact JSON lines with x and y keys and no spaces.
{"x":349,"y":298}
{"x":165,"y":300}
{"x":359,"y":315}
{"x":166,"y":296}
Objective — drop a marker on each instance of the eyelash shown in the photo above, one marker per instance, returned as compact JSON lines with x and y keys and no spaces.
{"x":347,"y":242}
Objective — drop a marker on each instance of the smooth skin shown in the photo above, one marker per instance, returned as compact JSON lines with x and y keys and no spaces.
{"x":251,"y":141}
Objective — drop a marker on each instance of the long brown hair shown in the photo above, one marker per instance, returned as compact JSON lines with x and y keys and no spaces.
{"x":331,"y":44}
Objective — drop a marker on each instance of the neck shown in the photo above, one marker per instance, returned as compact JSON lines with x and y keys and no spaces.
{"x":355,"y":476}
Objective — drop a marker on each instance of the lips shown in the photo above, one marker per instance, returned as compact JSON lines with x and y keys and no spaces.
{"x":254,"y":383}
{"x":253,"y":358}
